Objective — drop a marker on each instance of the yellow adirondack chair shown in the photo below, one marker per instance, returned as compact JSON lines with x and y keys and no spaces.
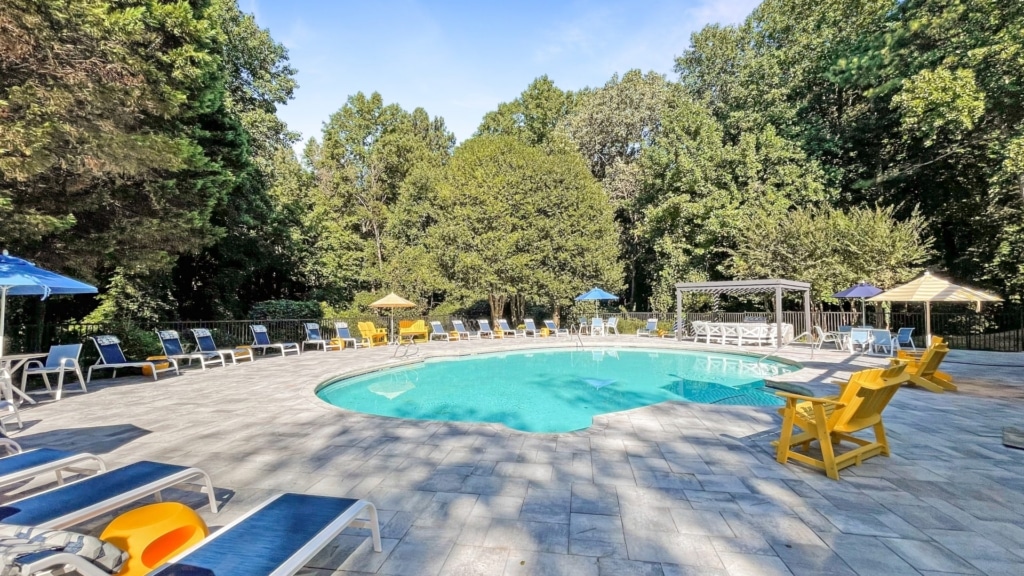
{"x":832,"y":420}
{"x":925,"y":371}
{"x":917,"y":354}
{"x":373,"y":336}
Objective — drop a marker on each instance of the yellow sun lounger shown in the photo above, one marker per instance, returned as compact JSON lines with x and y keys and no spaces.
{"x":373,"y":336}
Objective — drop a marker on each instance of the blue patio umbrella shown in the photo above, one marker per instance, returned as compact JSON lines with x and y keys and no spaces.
{"x":22,"y":278}
{"x":596,"y":295}
{"x":861,"y":290}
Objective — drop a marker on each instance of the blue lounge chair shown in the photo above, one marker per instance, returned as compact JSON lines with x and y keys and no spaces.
{"x":554,"y":330}
{"x":651,"y":330}
{"x":882,"y":342}
{"x":279,"y":537}
{"x":507,"y":331}
{"x":438,"y":331}
{"x":112,"y":358}
{"x":171,"y":343}
{"x":204,"y":340}
{"x":531,"y":328}
{"x":341,"y":333}
{"x":33,"y":463}
{"x":905,"y":338}
{"x":94,"y":496}
{"x":464,"y":334}
{"x":60,"y":359}
{"x":485,"y":328}
{"x":314,"y":337}
{"x":261,"y":341}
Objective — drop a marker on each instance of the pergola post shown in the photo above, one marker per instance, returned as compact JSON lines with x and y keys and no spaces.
{"x":807,"y":313}
{"x":679,"y":315}
{"x":778,"y":316}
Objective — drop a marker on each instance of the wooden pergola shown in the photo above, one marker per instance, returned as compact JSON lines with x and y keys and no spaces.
{"x":740,"y":287}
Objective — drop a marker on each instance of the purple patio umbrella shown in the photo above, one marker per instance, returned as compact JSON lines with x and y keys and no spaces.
{"x":861,"y":290}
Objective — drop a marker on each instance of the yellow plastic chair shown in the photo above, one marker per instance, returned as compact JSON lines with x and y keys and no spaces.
{"x":925,"y":371}
{"x":832,"y":420}
{"x":373,"y":336}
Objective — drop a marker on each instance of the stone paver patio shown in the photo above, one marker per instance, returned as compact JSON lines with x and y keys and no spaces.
{"x":669,"y":489}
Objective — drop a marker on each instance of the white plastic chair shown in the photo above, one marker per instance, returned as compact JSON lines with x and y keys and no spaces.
{"x":60,"y":359}
{"x":860,"y":337}
{"x":825,"y":337}
{"x":612,"y":326}
{"x":596,"y":326}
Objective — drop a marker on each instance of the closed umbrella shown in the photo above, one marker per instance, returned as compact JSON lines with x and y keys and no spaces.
{"x":930,"y":288}
{"x":861,"y":290}
{"x":392,"y":301}
{"x":22,"y":278}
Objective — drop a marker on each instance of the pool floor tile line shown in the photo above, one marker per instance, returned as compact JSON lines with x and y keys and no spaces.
{"x":667,"y":489}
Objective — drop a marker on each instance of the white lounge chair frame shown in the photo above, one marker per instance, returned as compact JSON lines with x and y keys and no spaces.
{"x":349,"y":518}
{"x":101,"y":365}
{"x":284,"y":347}
{"x":650,"y":330}
{"x":555,"y":330}
{"x":530,"y":332}
{"x":203,"y":357}
{"x":507,"y":331}
{"x":317,"y":342}
{"x":484,"y":328}
{"x":462,"y":332}
{"x":437,"y":330}
{"x":181,"y":480}
{"x":338,"y":326}
{"x":58,"y":467}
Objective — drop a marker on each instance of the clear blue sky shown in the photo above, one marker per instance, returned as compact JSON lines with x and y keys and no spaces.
{"x":460,"y":59}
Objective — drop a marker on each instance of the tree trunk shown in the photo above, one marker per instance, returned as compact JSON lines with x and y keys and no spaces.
{"x":518,"y":305}
{"x":497,"y":302}
{"x":556,"y":314}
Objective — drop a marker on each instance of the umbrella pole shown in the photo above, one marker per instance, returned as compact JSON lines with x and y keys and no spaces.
{"x":928,"y":323}
{"x":863,"y":313}
{"x":3,"y":313}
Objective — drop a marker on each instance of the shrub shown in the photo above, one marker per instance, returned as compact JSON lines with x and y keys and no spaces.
{"x":285,"y":310}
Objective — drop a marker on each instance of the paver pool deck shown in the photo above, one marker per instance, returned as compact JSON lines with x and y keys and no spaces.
{"x":669,"y":489}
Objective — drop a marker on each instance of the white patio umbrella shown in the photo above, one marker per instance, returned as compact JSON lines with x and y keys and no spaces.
{"x":930,"y":288}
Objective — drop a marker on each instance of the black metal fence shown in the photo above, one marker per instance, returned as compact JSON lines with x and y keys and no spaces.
{"x":999,"y":329}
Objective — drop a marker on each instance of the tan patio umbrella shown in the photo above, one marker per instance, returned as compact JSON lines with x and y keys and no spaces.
{"x":928,"y":289}
{"x":392,"y":301}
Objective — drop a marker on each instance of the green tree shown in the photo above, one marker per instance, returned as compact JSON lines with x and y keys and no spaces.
{"x":533,"y":116}
{"x":830,"y":248}
{"x":513,"y":220}
{"x":369,"y":148}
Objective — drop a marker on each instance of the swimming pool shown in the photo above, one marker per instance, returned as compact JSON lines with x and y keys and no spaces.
{"x":553,"y":390}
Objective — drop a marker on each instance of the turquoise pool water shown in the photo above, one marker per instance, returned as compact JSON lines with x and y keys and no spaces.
{"x":556,"y":390}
